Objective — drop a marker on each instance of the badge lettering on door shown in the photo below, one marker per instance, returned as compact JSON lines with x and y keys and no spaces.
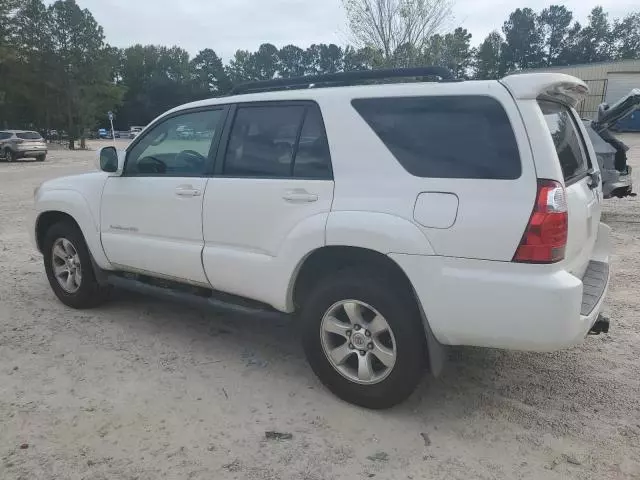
{"x":123,"y":229}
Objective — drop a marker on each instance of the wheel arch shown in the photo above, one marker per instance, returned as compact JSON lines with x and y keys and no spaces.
{"x":328,"y":259}
{"x":69,"y":205}
{"x":46,"y":220}
{"x":331,"y":258}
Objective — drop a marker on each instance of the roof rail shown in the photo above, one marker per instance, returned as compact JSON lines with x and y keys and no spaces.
{"x":341,"y":79}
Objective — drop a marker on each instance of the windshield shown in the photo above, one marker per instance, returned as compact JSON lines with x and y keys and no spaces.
{"x":29,"y":136}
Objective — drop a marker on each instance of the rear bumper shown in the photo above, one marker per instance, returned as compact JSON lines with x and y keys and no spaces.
{"x":508,"y":305}
{"x":31,"y":153}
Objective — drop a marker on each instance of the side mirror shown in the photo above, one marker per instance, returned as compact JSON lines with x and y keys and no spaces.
{"x":108,"y":157}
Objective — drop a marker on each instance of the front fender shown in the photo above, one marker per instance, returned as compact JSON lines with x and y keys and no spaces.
{"x":380,"y":232}
{"x":75,"y":205}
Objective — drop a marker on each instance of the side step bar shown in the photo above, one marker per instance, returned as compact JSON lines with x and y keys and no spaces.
{"x":194,"y":296}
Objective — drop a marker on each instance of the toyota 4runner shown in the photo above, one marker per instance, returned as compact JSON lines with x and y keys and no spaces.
{"x":390,"y":218}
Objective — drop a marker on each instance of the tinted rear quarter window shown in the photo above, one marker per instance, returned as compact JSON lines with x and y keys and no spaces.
{"x":445,"y":136}
{"x":567,"y":140}
{"x":29,"y":136}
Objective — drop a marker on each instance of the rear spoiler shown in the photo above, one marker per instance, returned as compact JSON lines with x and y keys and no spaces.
{"x":549,"y":86}
{"x":609,"y":115}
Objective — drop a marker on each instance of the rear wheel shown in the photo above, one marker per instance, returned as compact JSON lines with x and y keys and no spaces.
{"x":69,"y":268}
{"x":364,"y":339}
{"x":41,"y":158}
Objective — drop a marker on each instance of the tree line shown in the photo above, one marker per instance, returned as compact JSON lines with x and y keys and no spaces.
{"x":58,"y":72}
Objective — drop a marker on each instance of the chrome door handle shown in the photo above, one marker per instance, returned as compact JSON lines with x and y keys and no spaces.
{"x":300,"y":196}
{"x":187,"y":191}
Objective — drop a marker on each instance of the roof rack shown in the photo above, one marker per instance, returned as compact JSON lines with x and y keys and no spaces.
{"x":342,"y":79}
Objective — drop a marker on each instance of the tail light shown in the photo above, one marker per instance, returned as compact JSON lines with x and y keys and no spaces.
{"x":545,"y":238}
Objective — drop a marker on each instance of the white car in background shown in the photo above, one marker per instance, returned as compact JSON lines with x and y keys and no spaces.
{"x":392,"y":219}
{"x":135,"y":131}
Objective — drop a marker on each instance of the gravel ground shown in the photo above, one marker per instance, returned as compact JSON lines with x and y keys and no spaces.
{"x":144,"y":389}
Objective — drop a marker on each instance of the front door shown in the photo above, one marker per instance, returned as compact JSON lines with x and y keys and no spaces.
{"x":151,"y":217}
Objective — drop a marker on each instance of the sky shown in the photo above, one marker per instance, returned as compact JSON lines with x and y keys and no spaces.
{"x":228,"y":25}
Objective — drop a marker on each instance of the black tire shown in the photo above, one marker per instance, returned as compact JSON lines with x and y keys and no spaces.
{"x":90,"y":293}
{"x":400,"y":310}
{"x":41,"y":158}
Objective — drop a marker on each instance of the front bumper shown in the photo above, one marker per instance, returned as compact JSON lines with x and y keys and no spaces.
{"x":508,"y":305}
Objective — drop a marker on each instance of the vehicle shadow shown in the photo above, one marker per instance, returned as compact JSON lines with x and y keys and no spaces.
{"x":548,"y":389}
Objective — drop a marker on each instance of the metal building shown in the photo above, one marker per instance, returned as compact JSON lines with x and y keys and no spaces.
{"x":607,"y":81}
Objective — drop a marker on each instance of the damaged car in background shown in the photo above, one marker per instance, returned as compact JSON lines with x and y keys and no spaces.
{"x":611,"y":152}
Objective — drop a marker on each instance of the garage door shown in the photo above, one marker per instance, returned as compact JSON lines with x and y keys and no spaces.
{"x":620,"y":84}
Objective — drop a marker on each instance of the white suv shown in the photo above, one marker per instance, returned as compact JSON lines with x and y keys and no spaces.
{"x":391,"y":218}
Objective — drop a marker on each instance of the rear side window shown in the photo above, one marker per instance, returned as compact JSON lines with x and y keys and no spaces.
{"x":278,"y":141}
{"x":5,"y":135}
{"x":29,"y":136}
{"x":313,"y":159}
{"x":567,"y":140}
{"x":445,"y":136}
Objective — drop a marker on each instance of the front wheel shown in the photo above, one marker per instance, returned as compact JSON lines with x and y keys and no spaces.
{"x":69,"y":269}
{"x":41,"y":158}
{"x":364,"y":339}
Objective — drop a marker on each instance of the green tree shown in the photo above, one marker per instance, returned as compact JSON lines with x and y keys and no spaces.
{"x":323,"y":58}
{"x":626,"y":33}
{"x":265,"y":62}
{"x":406,"y":55}
{"x":452,"y":50}
{"x":291,"y":61}
{"x":82,"y":69}
{"x":523,"y":40}
{"x":487,"y":59}
{"x":365,"y":58}
{"x":156,"y":79}
{"x":209,"y":75}
{"x":595,"y":42}
{"x":240,"y":68}
{"x":554,"y":23}
{"x":570,"y":53}
{"x":248,"y":66}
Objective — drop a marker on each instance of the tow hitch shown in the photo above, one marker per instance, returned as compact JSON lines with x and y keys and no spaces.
{"x":601,"y":326}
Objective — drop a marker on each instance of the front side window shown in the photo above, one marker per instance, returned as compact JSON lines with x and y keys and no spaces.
{"x":178,"y":146}
{"x":445,"y":136}
{"x":5,"y":135}
{"x":567,"y":140}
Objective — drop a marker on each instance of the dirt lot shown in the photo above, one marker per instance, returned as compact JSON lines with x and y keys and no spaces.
{"x":142,"y":389}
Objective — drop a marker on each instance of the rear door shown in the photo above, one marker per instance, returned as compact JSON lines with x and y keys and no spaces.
{"x":582,"y":185}
{"x":273,"y":179}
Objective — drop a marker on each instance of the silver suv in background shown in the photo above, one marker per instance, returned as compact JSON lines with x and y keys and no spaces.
{"x":16,"y":144}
